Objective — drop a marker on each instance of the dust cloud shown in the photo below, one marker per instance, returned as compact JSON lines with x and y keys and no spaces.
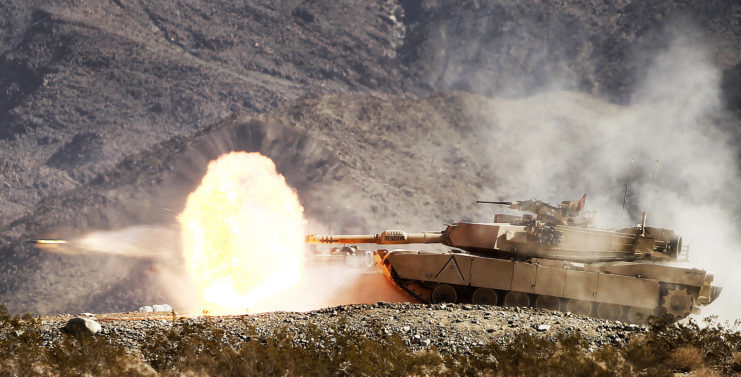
{"x":326,"y":279}
{"x":669,"y":145}
{"x":159,"y":245}
{"x":332,"y":281}
{"x":245,"y":230}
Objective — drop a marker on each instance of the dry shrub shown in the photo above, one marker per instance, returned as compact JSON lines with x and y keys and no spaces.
{"x":706,"y":372}
{"x":686,"y":359}
{"x":612,"y":359}
{"x":736,"y":361}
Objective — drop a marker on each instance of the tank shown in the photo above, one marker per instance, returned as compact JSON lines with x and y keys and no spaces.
{"x":550,"y":257}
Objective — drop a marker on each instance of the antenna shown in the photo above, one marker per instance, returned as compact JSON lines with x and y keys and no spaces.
{"x":654,"y":173}
{"x":651,"y":184}
{"x":630,"y":175}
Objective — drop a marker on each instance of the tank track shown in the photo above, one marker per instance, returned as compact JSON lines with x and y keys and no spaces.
{"x":404,"y":285}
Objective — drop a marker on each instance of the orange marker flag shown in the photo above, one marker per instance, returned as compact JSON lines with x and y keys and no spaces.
{"x":582,"y":201}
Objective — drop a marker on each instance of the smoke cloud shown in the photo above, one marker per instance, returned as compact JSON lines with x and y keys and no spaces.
{"x":327,"y":279}
{"x":668,"y":145}
{"x":334,"y":280}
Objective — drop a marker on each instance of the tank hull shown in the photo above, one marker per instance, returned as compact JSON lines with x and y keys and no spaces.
{"x":628,"y":291}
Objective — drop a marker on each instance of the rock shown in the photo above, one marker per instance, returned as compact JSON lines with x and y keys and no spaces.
{"x":406,"y":329}
{"x":161,"y":308}
{"x":78,"y":325}
{"x":146,"y":309}
{"x":543,"y":327}
{"x":425,"y":342}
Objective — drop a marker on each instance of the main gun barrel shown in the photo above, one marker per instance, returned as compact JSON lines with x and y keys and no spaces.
{"x":387,"y":237}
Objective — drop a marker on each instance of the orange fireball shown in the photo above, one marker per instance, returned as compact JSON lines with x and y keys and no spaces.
{"x":243,"y":233}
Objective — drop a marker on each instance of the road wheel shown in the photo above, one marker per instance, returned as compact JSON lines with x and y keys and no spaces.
{"x":579,"y":306}
{"x":513,"y":298}
{"x":369,"y":259}
{"x":444,"y":293}
{"x":484,"y":296}
{"x":638,"y":315}
{"x":677,"y":302}
{"x":612,"y":312}
{"x":548,"y":302}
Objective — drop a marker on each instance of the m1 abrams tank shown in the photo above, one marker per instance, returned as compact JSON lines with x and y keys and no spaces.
{"x":553,"y":260}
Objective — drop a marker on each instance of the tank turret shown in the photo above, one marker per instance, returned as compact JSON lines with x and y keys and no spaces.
{"x":528,"y":236}
{"x":569,"y":212}
{"x":552,"y":260}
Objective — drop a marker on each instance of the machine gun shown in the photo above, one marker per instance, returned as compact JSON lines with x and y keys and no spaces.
{"x":569,"y":212}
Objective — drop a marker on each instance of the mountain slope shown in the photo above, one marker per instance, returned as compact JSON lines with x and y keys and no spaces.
{"x":119,"y":76}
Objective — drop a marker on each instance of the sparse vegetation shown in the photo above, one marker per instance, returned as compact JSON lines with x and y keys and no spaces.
{"x":205,"y":349}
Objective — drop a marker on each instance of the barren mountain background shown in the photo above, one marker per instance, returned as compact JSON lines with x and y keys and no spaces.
{"x":383,"y":114}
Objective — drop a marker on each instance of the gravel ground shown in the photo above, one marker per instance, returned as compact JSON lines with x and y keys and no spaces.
{"x":450,"y":328}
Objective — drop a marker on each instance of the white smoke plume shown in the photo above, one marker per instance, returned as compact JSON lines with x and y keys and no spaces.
{"x":667,"y":145}
{"x":158,"y":244}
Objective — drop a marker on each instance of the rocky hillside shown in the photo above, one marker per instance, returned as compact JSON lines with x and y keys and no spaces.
{"x":522,"y":47}
{"x":77,"y":76}
{"x":86,"y":84}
